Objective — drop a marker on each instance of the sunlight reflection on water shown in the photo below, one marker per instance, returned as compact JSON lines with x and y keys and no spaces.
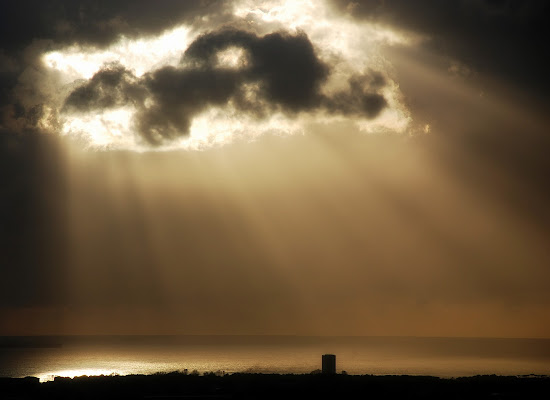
{"x":446,"y":358}
{"x":71,"y":373}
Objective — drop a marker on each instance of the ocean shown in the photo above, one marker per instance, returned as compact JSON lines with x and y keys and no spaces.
{"x":49,"y":356}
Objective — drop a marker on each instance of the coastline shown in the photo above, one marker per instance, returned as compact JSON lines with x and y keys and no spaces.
{"x":49,"y":356}
{"x":270,"y":386}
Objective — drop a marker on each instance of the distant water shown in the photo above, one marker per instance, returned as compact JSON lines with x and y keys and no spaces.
{"x":46,"y":357}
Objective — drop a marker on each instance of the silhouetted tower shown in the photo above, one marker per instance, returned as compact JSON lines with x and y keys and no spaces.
{"x":329,"y":364}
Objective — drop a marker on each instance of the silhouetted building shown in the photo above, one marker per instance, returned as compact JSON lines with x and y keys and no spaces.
{"x":329,"y":364}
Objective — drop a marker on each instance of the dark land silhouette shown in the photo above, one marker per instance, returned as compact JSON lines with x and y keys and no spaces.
{"x":273,"y":386}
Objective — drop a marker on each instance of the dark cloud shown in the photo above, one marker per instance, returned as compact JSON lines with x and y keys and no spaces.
{"x":283,"y":68}
{"x":361,"y":98}
{"x":501,"y":38}
{"x":287,"y":65}
{"x":113,"y":86}
{"x":178,"y":95}
{"x":96,"y":22}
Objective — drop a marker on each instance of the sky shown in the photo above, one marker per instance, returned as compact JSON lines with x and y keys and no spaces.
{"x":328,"y":167}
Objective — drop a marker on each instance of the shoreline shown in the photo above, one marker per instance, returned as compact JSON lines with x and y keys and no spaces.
{"x":270,"y":386}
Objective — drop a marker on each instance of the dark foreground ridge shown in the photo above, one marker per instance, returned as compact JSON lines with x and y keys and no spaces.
{"x":178,"y":385}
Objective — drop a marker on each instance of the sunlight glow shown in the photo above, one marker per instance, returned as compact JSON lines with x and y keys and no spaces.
{"x":232,"y":58}
{"x":110,"y":128}
{"x":140,"y":55}
{"x":314,"y":16}
{"x":73,"y":373}
{"x":218,"y":126}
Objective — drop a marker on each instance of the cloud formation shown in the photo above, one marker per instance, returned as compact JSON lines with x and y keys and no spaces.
{"x":278,"y":71}
{"x":113,"y":86}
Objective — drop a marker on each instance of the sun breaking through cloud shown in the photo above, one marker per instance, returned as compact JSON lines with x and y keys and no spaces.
{"x":275,"y":68}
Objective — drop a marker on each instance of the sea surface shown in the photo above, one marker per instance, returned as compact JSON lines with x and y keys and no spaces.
{"x":47,"y":357}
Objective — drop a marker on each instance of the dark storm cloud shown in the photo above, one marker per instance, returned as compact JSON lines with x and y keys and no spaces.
{"x":178,"y":95}
{"x":286,"y":65}
{"x":503,"y":38}
{"x":284,"y":68}
{"x":289,"y":71}
{"x":95,"y":22}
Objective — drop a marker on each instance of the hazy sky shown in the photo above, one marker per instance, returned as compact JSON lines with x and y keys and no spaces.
{"x":322,"y":167}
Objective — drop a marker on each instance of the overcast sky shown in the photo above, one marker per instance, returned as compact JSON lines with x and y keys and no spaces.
{"x":275,"y":167}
